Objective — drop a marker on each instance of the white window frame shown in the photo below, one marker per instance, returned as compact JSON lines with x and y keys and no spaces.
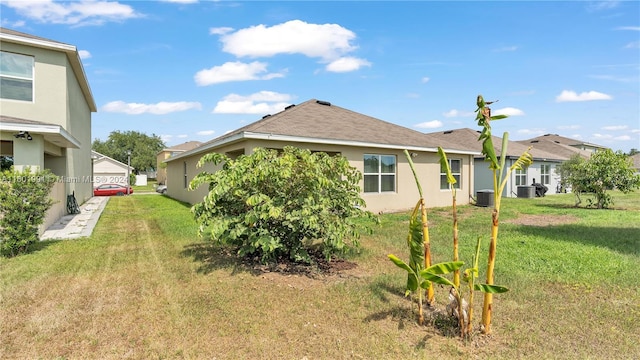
{"x":380,"y":174}
{"x":521,"y":177}
{"x":4,"y":76}
{"x":545,"y":176}
{"x":456,"y":175}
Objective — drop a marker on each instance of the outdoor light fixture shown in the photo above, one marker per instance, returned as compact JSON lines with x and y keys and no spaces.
{"x":23,"y":135}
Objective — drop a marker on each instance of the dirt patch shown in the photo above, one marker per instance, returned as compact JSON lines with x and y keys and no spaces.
{"x":542,"y":220}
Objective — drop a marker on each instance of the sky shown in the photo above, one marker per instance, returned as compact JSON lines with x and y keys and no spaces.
{"x":194,"y":70}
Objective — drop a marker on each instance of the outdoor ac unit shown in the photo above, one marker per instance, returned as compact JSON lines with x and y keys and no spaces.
{"x":484,"y":198}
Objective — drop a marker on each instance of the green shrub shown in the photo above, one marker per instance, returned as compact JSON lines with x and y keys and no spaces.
{"x":275,"y":204}
{"x":24,"y":201}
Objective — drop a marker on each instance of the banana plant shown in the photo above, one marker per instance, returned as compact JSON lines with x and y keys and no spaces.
{"x":420,"y":279}
{"x":500,"y":178}
{"x":451,"y":180}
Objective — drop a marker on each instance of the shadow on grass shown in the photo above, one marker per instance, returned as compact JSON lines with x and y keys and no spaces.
{"x":622,"y":240}
{"x":214,"y":257}
{"x":33,"y":248}
{"x":381,"y":289}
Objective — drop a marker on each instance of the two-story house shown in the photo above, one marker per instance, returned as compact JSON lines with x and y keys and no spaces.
{"x":45,"y":113}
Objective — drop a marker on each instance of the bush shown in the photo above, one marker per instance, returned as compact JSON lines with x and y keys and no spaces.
{"x":24,"y":201}
{"x":276,"y":204}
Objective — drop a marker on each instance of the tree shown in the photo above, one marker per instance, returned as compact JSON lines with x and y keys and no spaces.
{"x":605,"y":170}
{"x":278,"y":205}
{"x":24,"y":201}
{"x":144,"y":148}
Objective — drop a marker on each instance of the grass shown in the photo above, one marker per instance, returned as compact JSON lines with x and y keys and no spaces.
{"x":144,"y":286}
{"x":150,"y":187}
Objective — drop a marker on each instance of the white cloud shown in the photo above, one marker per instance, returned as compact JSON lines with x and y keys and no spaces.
{"x":166,"y":138}
{"x":425,"y":79}
{"x":602,"y":5}
{"x":434,"y":124}
{"x":568,"y":127}
{"x":73,"y":12}
{"x":614,"y":78}
{"x":457,"y":113}
{"x":615,"y":127}
{"x":602,"y":136}
{"x":346,"y":64}
{"x":532,"y":132}
{"x":160,"y":108}
{"x":633,"y":45}
{"x":220,"y":30}
{"x":632,"y":28}
{"x":567,"y":95}
{"x":182,"y":136}
{"x":325,"y":41}
{"x":234,"y":71}
{"x":181,"y":1}
{"x":263,"y":102}
{"x":84,"y":54}
{"x":205,"y":132}
{"x":509,"y":111}
{"x":635,"y":131}
{"x":622,"y":138}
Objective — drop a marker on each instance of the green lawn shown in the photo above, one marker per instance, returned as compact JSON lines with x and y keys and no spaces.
{"x":144,"y":286}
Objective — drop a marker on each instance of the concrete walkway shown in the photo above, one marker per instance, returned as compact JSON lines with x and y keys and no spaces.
{"x":80,"y":225}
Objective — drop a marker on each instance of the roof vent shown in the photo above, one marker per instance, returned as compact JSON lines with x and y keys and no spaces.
{"x":323,"y":102}
{"x":448,"y":132}
{"x":556,"y":141}
{"x":266,"y":116}
{"x":535,"y":141}
{"x":289,"y":107}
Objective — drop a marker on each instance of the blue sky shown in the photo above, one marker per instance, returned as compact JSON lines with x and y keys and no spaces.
{"x":188,"y":70}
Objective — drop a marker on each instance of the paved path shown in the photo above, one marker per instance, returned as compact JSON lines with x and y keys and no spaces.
{"x":77,"y":225}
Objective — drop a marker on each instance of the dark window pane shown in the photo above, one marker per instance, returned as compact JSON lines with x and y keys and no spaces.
{"x":371,"y":164}
{"x":455,"y":166}
{"x":443,"y":182}
{"x":16,"y":89}
{"x":388,"y":164}
{"x":388,"y":183}
{"x":371,"y":183}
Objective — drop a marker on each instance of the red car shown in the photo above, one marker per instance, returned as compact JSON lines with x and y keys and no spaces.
{"x":111,"y":189}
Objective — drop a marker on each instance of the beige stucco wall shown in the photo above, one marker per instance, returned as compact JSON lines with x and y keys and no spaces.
{"x":404,"y":198}
{"x":58,"y":100}
{"x":161,"y":172}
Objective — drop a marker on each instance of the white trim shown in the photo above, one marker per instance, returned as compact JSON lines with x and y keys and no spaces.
{"x":302,"y":139}
{"x":43,"y":130}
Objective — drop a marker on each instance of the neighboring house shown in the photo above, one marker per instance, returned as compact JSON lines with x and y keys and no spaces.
{"x":45,"y":113}
{"x":543,"y":169}
{"x":372,"y":146}
{"x":161,"y":172}
{"x":107,"y":170}
{"x":635,"y":159}
{"x":566,"y":146}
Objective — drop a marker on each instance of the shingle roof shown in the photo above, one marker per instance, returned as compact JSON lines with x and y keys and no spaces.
{"x":564,"y":140}
{"x":562,"y":150}
{"x":18,"y":33}
{"x":315,"y":120}
{"x":184,"y":146}
{"x":468,"y":138}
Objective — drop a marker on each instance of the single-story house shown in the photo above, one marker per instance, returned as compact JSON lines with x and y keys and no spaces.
{"x":543,"y":169}
{"x":373,"y":146}
{"x":635,"y":159}
{"x":161,"y":171}
{"x":555,"y":143}
{"x":107,"y":170}
{"x":45,"y":113}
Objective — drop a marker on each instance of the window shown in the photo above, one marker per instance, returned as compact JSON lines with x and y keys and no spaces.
{"x":16,"y":76}
{"x":545,"y":174}
{"x":184,"y":166}
{"x":521,"y":177}
{"x":456,"y":170}
{"x":379,"y":173}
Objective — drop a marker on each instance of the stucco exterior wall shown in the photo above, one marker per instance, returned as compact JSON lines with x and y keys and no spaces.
{"x":78,"y":124}
{"x":404,"y":198}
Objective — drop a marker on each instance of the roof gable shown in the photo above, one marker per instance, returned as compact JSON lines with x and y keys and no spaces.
{"x":322,"y":122}
{"x":12,"y":36}
{"x":468,"y":138}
